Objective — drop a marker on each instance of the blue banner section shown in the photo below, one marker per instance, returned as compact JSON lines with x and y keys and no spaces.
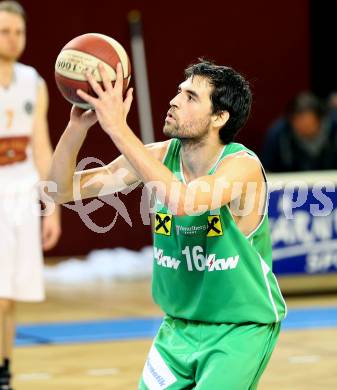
{"x":303,"y":222}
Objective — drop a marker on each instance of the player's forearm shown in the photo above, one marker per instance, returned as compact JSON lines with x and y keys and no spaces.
{"x":43,"y":161}
{"x":169,"y":190}
{"x":64,"y":162}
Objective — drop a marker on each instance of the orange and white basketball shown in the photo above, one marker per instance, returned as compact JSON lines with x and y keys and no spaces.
{"x":84,"y":53}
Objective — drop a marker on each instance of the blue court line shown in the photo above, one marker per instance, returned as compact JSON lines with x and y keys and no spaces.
{"x":87,"y":331}
{"x":137,"y":328}
{"x":308,"y":318}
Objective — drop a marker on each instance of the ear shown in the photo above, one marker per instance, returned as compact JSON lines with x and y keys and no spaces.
{"x":220,"y":119}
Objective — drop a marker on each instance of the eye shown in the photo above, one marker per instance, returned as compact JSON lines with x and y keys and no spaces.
{"x":189,"y":98}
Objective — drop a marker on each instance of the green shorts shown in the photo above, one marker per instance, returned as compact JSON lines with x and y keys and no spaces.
{"x":197,"y":355}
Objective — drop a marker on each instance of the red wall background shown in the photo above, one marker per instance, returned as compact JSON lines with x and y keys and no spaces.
{"x":266,"y":41}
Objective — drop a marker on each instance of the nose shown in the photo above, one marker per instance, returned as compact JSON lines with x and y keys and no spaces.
{"x":13,"y":38}
{"x":175,"y":102}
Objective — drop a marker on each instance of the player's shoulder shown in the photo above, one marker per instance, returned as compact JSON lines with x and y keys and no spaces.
{"x":25,"y":69}
{"x":239,"y":158}
{"x":159,"y":149}
{"x":235,"y":150}
{"x":27,"y":75}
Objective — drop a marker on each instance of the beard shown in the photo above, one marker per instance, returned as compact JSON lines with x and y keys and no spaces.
{"x":190,"y":131}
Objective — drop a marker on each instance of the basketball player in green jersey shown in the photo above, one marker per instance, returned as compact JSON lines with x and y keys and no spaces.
{"x":212,"y":271}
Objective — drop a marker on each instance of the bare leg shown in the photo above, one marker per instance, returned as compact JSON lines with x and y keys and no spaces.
{"x":7,"y":331}
{"x":2,"y":334}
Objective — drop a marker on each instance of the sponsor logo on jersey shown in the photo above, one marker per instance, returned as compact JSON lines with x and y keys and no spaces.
{"x":163,"y":224}
{"x":191,"y":230}
{"x":28,"y":107}
{"x":156,"y":373}
{"x":214,"y":228}
{"x":165,"y":261}
{"x":196,"y":261}
{"x":214,"y":264}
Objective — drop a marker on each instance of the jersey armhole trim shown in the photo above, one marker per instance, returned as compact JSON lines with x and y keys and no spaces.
{"x":167,"y":151}
{"x":265,"y":206}
{"x":218,"y":161}
{"x":265,"y":270}
{"x":266,"y":200}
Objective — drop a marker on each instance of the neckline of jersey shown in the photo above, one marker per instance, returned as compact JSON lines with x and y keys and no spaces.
{"x":13,"y":81}
{"x":214,"y":166}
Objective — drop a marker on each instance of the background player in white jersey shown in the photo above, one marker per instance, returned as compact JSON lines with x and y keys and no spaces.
{"x":25,"y":155}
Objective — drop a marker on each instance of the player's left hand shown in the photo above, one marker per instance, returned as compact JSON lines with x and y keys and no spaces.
{"x":51,"y":230}
{"x":110,"y":106}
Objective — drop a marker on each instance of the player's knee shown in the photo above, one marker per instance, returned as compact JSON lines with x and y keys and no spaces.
{"x":6,"y":305}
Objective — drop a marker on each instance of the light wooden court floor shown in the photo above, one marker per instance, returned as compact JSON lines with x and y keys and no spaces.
{"x":303,"y":359}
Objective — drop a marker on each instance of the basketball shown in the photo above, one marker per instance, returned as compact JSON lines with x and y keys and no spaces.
{"x":84,"y":53}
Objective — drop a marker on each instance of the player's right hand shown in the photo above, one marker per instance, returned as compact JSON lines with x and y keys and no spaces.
{"x":82,"y":119}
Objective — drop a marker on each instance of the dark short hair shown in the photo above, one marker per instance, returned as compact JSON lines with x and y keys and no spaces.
{"x":13,"y":7}
{"x":306,"y":102}
{"x":231,"y":92}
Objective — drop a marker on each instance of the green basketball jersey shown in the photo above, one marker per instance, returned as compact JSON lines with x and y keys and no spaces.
{"x":206,"y":269}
